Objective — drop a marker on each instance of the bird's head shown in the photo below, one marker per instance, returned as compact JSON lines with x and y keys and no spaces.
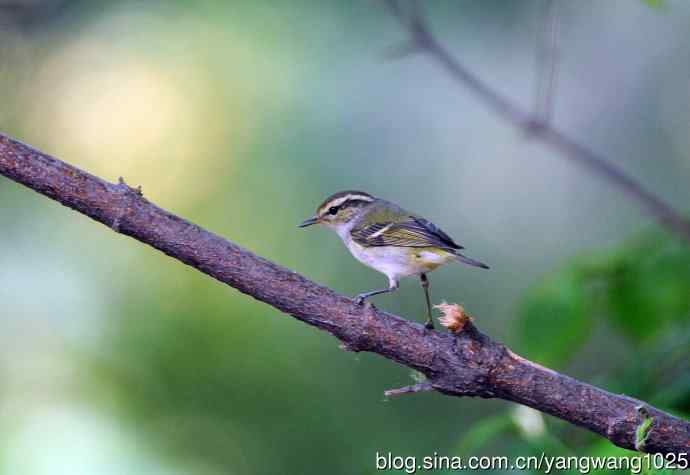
{"x":340,"y":209}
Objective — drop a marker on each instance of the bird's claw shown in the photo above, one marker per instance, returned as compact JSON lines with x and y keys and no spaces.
{"x":429,"y":325}
{"x":361,"y":300}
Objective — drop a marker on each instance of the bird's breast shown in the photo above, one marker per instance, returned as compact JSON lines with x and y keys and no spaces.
{"x":399,"y":261}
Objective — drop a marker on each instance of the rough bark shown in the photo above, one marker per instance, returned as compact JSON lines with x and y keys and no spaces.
{"x":466,"y":364}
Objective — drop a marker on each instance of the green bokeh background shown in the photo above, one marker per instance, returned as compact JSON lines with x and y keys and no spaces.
{"x":242,"y":117}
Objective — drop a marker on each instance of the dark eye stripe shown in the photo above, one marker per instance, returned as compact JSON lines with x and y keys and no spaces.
{"x":347,"y":204}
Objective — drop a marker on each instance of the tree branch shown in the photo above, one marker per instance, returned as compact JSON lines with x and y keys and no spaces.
{"x":415,"y":388}
{"x":537,"y":127}
{"x":547,"y":64}
{"x":466,"y":364}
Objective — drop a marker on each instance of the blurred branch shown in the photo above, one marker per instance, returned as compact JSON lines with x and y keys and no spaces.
{"x":421,"y":39}
{"x":547,"y":64}
{"x":467,"y":363}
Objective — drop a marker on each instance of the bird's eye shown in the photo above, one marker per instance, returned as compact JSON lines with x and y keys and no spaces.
{"x":333,"y":210}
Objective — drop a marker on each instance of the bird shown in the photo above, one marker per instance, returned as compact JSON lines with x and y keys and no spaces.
{"x":382,"y":235}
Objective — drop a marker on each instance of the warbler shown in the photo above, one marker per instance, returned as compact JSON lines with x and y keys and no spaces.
{"x":385,"y":237}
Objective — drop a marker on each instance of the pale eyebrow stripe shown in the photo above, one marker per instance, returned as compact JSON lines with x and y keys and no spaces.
{"x":345,"y":198}
{"x":339,"y":201}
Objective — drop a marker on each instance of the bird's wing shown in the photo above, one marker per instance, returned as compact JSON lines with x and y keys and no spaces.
{"x":410,"y":232}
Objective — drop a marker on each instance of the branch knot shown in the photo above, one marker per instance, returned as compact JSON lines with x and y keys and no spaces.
{"x":127,"y":195}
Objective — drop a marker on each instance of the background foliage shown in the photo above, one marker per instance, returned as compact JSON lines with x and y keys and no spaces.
{"x":242,"y":116}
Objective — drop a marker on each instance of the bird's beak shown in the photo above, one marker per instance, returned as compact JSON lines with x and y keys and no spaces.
{"x":309,"y":222}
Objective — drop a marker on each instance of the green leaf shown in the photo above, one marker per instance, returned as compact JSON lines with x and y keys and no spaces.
{"x":649,"y":287}
{"x":655,"y":3}
{"x":642,"y":431}
{"x":554,"y":318}
{"x":654,"y":471}
{"x":484,"y":432}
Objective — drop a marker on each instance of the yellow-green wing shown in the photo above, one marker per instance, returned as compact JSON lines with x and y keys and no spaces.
{"x":411,"y":232}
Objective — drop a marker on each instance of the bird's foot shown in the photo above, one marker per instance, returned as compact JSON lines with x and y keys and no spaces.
{"x":361,"y":299}
{"x":429,"y":325}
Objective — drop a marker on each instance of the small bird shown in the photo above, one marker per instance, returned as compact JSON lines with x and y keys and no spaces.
{"x":385,"y":237}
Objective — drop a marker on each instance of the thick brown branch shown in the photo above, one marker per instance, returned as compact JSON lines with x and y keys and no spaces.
{"x":539,"y":128}
{"x":466,"y":364}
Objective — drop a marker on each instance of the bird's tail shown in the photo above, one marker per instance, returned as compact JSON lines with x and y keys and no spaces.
{"x":469,"y":261}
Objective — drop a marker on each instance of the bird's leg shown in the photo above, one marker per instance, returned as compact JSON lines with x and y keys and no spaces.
{"x":425,"y":285}
{"x":391,"y":287}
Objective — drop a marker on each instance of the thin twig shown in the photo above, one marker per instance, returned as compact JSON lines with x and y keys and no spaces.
{"x":419,"y":32}
{"x":468,"y":363}
{"x":415,"y":388}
